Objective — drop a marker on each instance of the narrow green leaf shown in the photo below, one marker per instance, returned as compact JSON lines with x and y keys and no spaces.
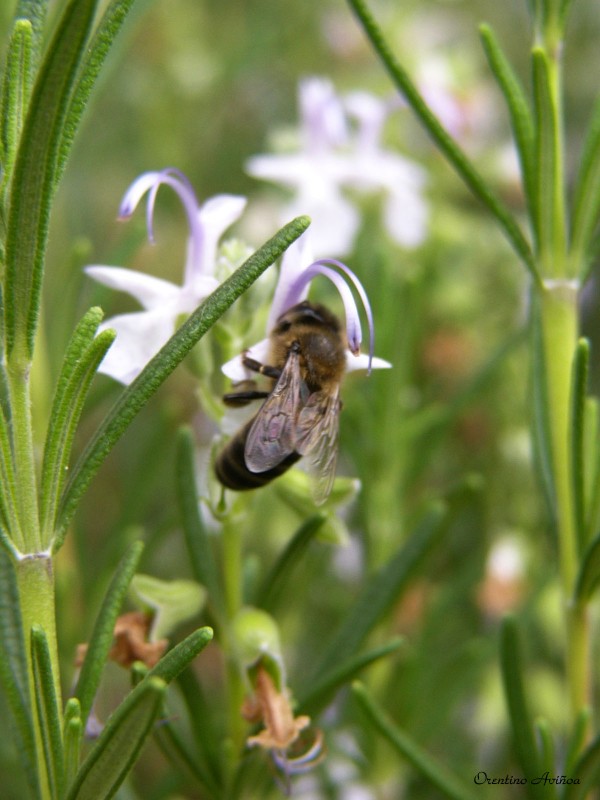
{"x":48,"y":711}
{"x":202,"y":724}
{"x":13,"y":671}
{"x":8,"y":495}
{"x":521,"y":725}
{"x":319,"y":692}
{"x":542,"y":442}
{"x":35,"y":12}
{"x":102,"y":635}
{"x":587,"y":770}
{"x":101,"y":42}
{"x":119,"y":744}
{"x":520,"y":112}
{"x":577,"y":741}
{"x":178,"y":658}
{"x":202,"y":562}
{"x":586,"y":195}
{"x":72,"y":736}
{"x":177,"y":751}
{"x":34,"y":178}
{"x":547,"y":755}
{"x":135,"y":396}
{"x":16,"y":88}
{"x":66,"y":412}
{"x":444,"y":141}
{"x":277,"y":579}
{"x":73,"y":371}
{"x":382,"y":590}
{"x":578,"y":404}
{"x":437,"y":774}
{"x":592,"y":466}
{"x":589,"y":571}
{"x":550,"y":221}
{"x":565,"y":7}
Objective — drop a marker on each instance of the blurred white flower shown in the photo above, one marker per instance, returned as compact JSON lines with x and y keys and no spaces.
{"x":341,"y":149}
{"x":141,"y":334}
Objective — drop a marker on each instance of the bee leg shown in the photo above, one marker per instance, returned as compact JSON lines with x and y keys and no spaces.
{"x":243,"y":398}
{"x":263,"y":369}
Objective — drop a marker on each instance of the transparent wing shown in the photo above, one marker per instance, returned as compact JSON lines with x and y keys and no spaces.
{"x":316,"y":438}
{"x":271,"y":435}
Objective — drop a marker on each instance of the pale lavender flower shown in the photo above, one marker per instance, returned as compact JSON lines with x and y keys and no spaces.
{"x":341,"y":149}
{"x":298,"y":269}
{"x":141,"y":334}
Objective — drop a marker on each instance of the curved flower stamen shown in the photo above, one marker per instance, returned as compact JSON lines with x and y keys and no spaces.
{"x":292,"y":288}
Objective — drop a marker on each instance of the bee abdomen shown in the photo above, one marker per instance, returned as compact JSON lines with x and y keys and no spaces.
{"x":231,"y":469}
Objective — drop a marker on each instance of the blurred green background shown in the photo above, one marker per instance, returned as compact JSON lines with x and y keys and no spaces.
{"x":202,"y":86}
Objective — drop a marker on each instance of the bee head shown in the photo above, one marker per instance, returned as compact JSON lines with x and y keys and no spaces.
{"x":306,"y":315}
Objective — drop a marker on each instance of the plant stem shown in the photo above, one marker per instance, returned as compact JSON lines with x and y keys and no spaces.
{"x":558,"y":304}
{"x":233,"y":581}
{"x":35,"y":579}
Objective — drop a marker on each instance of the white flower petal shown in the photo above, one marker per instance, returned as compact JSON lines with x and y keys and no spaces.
{"x":335,"y":222}
{"x":289,"y":170}
{"x":215,"y":216}
{"x":140,"y":336}
{"x":235,"y":369}
{"x":148,"y":290}
{"x":361,"y":361}
{"x":406,"y":215}
{"x":295,"y":260}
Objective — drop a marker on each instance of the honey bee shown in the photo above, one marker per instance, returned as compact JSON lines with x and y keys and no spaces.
{"x":300,"y":415}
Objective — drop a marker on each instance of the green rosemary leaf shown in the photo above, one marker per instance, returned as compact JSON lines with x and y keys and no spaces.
{"x":48,"y":711}
{"x":437,"y":774}
{"x":119,"y":744}
{"x":16,"y":88}
{"x":278,"y":576}
{"x":33,"y":184}
{"x":196,"y":536}
{"x":520,"y":113}
{"x":586,"y":196}
{"x":82,"y":358}
{"x":102,"y":635}
{"x":382,"y":590}
{"x":578,"y":405}
{"x":516,"y":699}
{"x":72,"y":736}
{"x":319,"y":692}
{"x":13,"y":670}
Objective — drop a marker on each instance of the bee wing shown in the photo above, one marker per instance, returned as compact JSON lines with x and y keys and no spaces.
{"x":271,"y":435}
{"x":316,"y":437}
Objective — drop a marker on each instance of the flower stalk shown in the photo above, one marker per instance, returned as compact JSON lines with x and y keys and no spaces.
{"x":559,"y":330}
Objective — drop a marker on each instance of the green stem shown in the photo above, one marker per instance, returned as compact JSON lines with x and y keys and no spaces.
{"x":558,"y":304}
{"x":232,"y":566}
{"x":233,"y":583}
{"x":35,"y":578}
{"x":24,"y":453}
{"x":551,"y":222}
